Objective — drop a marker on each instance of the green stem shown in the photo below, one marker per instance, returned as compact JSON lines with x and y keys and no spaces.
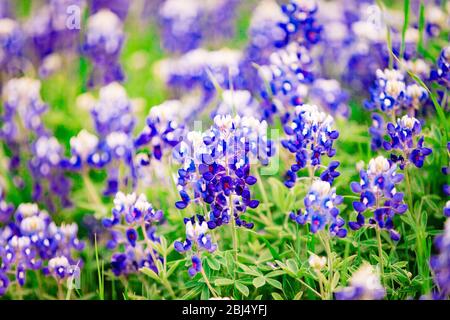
{"x":380,"y":252}
{"x":205,"y":278}
{"x":326,"y":243}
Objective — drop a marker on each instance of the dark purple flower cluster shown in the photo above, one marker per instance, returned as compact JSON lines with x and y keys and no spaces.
{"x":103,"y":43}
{"x":216,"y":167}
{"x":378,"y":195}
{"x":402,"y":138}
{"x":197,"y":240}
{"x":135,"y":249}
{"x":34,"y":242}
{"x":310,"y":136}
{"x":321,"y":210}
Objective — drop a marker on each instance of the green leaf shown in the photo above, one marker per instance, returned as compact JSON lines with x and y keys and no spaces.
{"x":277,"y":296}
{"x":213,"y":263}
{"x":149,"y":272}
{"x":223,"y":282}
{"x":173,"y":267}
{"x":292,"y":265}
{"x":405,"y":25}
{"x":242,"y":288}
{"x":274,"y":283}
{"x":259,"y":282}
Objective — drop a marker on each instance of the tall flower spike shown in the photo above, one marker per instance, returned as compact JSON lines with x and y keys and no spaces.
{"x":46,"y":166}
{"x":114,"y":122}
{"x":403,"y":138}
{"x":216,"y":167}
{"x":103,"y":43}
{"x":288,"y":76}
{"x":310,"y":136}
{"x":132,"y":251}
{"x":321,"y":210}
{"x":365,"y":284}
{"x":379,"y":196}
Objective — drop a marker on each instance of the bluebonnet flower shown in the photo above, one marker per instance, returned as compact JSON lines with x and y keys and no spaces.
{"x":114,"y":122}
{"x":377,"y":131}
{"x":216,"y":167}
{"x":388,"y":93}
{"x":47,"y":171}
{"x":119,"y":7}
{"x":365,"y":284}
{"x":163,"y":128}
{"x":53,"y":30}
{"x":185,"y":25}
{"x":403,"y":136}
{"x":32,"y":240}
{"x":12,"y":40}
{"x":378,"y":195}
{"x":328,"y":94}
{"x":263,"y":33}
{"x":113,"y":110}
{"x":220,"y":19}
{"x":436,"y":20}
{"x":310,"y":136}
{"x":288,"y":77}
{"x":194,"y":69}
{"x":23,"y":109}
{"x":299,"y":24}
{"x":129,"y":214}
{"x":197,"y":240}
{"x":321,"y":210}
{"x":440,"y":264}
{"x":181,"y":27}
{"x":442,"y":74}
{"x":83,"y":146}
{"x":103,"y":43}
